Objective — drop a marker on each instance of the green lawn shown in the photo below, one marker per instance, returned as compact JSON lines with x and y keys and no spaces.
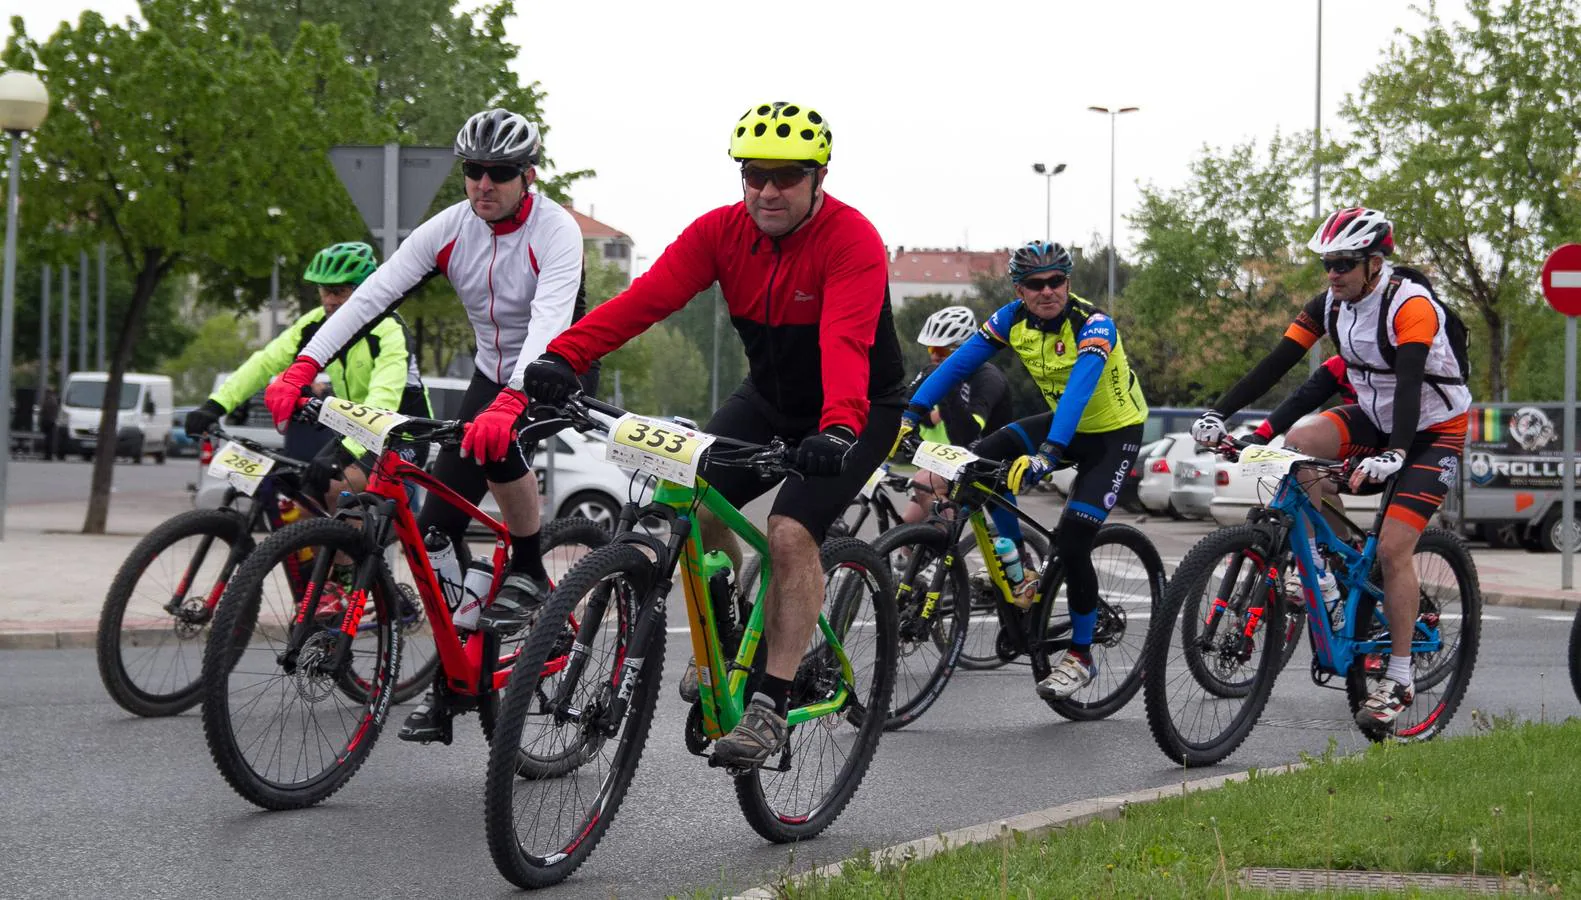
{"x":1508,"y":800}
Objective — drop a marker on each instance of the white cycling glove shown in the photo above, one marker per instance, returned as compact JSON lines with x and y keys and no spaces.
{"x":1380,"y":467}
{"x":1209,"y":428}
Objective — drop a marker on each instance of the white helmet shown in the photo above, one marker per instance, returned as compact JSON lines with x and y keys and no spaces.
{"x":947,"y":327}
{"x":1355,"y":229}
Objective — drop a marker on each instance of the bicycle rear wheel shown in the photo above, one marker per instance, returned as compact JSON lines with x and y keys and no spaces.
{"x":800,"y":793}
{"x":1130,"y":591}
{"x":156,"y":616}
{"x":1193,"y":725}
{"x":931,"y":636}
{"x":541,"y":828}
{"x":1450,"y":605}
{"x":287,"y":737}
{"x":981,"y":650}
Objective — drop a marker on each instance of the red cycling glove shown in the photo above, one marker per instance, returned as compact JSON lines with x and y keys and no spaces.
{"x":489,"y":436}
{"x":285,"y":395}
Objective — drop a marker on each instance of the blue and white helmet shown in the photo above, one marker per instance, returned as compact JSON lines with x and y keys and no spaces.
{"x":1038,"y":257}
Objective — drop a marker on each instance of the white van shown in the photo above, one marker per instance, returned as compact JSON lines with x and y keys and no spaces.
{"x":142,"y":423}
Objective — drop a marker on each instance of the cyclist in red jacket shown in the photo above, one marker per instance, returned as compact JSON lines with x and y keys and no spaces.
{"x":805,"y":279}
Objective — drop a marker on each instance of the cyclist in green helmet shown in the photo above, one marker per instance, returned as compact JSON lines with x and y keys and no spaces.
{"x":380,"y":369}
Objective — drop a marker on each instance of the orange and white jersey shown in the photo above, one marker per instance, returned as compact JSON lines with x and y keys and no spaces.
{"x":1414,"y":319}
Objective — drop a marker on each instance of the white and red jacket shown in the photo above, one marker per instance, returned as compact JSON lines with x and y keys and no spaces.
{"x":518,"y":280}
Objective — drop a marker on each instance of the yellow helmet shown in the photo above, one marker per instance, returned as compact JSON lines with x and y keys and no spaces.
{"x":781,"y":130}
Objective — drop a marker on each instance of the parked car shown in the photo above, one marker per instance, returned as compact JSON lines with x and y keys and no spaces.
{"x":1159,"y":466}
{"x":1193,"y":493}
{"x":180,"y":443}
{"x":1510,"y":490}
{"x":1235,"y":494}
{"x":142,"y":417}
{"x":1060,"y":482}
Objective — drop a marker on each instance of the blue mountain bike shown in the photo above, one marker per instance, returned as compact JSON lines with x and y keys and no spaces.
{"x":1212,"y":659}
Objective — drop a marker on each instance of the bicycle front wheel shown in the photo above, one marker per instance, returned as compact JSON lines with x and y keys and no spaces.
{"x":801,"y":792}
{"x":156,"y":616}
{"x":288,"y":734}
{"x":1194,"y":724}
{"x":931,"y":634}
{"x":542,"y":825}
{"x":1130,"y":590}
{"x":1450,"y":608}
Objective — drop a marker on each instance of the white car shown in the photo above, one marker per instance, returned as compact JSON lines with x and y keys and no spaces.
{"x":1235,"y":494}
{"x":1159,"y":464}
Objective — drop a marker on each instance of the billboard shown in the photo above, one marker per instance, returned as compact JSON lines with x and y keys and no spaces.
{"x":1515,"y":445}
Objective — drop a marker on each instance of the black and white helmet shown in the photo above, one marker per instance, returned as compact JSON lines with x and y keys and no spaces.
{"x":499,"y":136}
{"x":948,"y":327}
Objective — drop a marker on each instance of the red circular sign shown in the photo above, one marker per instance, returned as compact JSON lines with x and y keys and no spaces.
{"x":1562,"y":279}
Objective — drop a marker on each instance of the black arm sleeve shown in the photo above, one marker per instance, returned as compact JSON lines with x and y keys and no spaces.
{"x":1410,"y":368}
{"x":1262,"y":377}
{"x":1308,"y":397}
{"x":988,"y":386}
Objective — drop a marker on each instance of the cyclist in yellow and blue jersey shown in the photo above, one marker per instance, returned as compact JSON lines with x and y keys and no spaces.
{"x":1073,"y":352}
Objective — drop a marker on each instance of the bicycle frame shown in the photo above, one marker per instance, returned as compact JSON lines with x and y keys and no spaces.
{"x":1335,"y":651}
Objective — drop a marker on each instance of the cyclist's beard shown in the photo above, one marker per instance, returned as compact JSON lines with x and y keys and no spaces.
{"x":507,"y":216}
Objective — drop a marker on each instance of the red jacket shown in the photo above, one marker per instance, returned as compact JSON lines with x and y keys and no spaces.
{"x":811,"y":307}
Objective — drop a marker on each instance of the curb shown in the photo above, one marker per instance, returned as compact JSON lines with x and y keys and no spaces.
{"x":78,"y":638}
{"x":1032,"y":824}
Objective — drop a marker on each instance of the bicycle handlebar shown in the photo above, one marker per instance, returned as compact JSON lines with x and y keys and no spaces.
{"x":1230,"y":448}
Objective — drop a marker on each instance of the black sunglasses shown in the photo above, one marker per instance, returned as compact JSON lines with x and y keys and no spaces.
{"x":1340,"y":265}
{"x":497,"y":174}
{"x":784,"y":178}
{"x":1036,"y":285}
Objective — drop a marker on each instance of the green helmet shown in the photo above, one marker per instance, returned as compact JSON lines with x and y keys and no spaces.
{"x":348,"y":263}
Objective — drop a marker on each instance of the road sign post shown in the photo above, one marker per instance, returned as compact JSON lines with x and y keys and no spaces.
{"x":1561,"y":280}
{"x":391,"y":185}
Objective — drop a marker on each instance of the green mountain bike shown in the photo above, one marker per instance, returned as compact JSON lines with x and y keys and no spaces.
{"x":597,"y":709}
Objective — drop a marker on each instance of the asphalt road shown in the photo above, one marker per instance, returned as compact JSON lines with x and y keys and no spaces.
{"x":36,"y":481}
{"x":101,"y":804}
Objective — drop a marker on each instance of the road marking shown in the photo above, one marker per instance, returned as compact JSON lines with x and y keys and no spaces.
{"x":1557,"y":618}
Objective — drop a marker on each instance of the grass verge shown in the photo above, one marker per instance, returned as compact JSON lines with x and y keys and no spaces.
{"x":1501,"y":802}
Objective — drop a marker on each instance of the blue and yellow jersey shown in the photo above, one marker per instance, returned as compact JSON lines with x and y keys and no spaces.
{"x":1076,"y":360}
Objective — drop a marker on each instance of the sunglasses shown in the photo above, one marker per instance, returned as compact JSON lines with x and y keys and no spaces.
{"x":497,"y":174}
{"x":1036,"y":285}
{"x":1340,"y":265}
{"x":784,"y":178}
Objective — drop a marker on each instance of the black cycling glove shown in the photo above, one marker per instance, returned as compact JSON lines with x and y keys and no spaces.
{"x":825,"y":452}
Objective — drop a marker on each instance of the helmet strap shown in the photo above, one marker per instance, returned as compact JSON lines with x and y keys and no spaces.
{"x":816,"y":201}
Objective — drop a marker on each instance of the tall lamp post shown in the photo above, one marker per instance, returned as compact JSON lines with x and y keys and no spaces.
{"x":1112,"y":114}
{"x":23,"y":104}
{"x":1048,"y":197}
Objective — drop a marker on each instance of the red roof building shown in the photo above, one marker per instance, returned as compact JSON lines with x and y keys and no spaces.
{"x":914,"y":272}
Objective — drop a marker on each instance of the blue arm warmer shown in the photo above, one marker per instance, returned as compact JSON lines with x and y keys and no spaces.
{"x":954,"y":370}
{"x":1073,"y":402}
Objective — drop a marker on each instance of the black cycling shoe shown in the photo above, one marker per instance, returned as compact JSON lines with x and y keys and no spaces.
{"x":428,"y":722}
{"x":516,"y":604}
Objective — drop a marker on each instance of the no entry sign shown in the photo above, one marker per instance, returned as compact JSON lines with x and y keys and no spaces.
{"x":1562,"y":279}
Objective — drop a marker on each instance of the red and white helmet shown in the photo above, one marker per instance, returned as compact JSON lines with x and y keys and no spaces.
{"x":1355,"y":229}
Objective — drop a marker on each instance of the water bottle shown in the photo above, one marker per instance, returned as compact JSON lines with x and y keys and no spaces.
{"x":1010,"y":558}
{"x":442,"y":555}
{"x":474,"y":592}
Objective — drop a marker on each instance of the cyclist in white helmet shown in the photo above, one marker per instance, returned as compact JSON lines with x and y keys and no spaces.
{"x":978,"y":406}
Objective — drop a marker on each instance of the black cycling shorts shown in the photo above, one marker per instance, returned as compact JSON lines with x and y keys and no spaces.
{"x":465,"y":476}
{"x":814,"y":501}
{"x":1432,"y":462}
{"x":1102,"y":459}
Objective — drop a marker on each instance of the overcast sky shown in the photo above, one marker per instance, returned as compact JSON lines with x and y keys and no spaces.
{"x":938,"y":109}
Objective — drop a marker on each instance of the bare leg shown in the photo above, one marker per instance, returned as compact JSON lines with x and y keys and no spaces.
{"x":1401,"y":586}
{"x":925,"y":487}
{"x":717,"y":536}
{"x":795,"y":596}
{"x":519,"y":504}
{"x":1318,"y":436}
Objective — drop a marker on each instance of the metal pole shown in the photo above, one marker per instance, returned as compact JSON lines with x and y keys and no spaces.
{"x":43,"y":332}
{"x":274,"y":298}
{"x":103,"y":306}
{"x":65,"y":325}
{"x":7,"y":310}
{"x":1317,"y":166}
{"x":82,"y":310}
{"x":1048,"y":209}
{"x":392,"y":198}
{"x":1567,"y":541}
{"x":714,"y":394}
{"x":1112,"y":116}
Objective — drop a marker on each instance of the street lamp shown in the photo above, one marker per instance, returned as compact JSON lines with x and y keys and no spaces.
{"x":23,"y":104}
{"x":1112,"y":114}
{"x":1048,"y":197}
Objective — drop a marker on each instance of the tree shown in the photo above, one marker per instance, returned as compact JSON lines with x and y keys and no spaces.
{"x":1469,"y":136}
{"x":171,"y":140}
{"x":221,"y":345}
{"x":1217,"y":280}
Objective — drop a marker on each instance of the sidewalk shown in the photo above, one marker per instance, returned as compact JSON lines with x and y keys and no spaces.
{"x":53,"y":578}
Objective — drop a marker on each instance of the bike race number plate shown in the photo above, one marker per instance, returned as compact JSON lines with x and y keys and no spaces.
{"x":1263,"y":461}
{"x":366,"y":425}
{"x":871,"y":488}
{"x":944,"y":460}
{"x":241,"y":467}
{"x":656,"y":447}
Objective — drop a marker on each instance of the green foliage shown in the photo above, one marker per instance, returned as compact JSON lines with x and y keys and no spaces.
{"x":221,"y":344}
{"x":1218,"y":280}
{"x":1470,"y":137}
